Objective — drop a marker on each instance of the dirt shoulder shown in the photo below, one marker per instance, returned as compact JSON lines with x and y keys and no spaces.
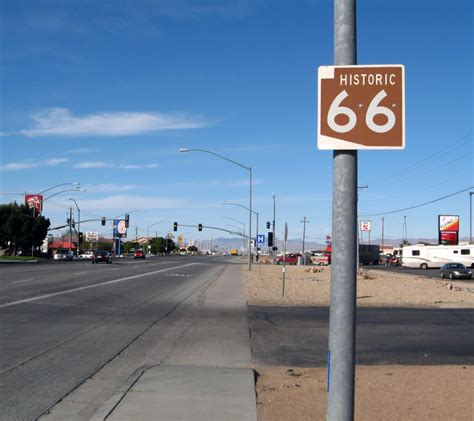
{"x":310,"y":286}
{"x":388,"y":392}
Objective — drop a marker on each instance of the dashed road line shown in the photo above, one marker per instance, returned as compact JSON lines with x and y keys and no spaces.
{"x":113,"y":281}
{"x":23,"y":280}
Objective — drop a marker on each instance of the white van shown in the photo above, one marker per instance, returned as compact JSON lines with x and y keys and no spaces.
{"x":424,"y":257}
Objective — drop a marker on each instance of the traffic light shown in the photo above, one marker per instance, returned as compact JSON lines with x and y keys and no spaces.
{"x":200,"y":227}
{"x":127,"y":220}
{"x":268,"y":225}
{"x":103,"y":221}
{"x":175,"y":226}
{"x":81,"y":237}
{"x":270,"y":239}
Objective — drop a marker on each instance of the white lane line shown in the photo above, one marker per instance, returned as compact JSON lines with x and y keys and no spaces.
{"x":80,"y":273}
{"x":113,"y":281}
{"x":23,"y":280}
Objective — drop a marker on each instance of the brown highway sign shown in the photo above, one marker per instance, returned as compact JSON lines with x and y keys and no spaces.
{"x":361,"y":107}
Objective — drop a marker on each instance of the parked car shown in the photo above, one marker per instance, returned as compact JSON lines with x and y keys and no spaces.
{"x":455,"y":270}
{"x":63,"y":254}
{"x":87,"y":255}
{"x":139,"y":254}
{"x":102,"y":256}
{"x":290,"y":259}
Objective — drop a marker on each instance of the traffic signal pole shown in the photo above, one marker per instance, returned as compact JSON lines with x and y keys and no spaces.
{"x":342,"y":324}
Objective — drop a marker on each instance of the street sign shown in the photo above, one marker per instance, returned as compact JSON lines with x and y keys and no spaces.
{"x":361,"y":107}
{"x":260,"y":238}
{"x":34,"y":201}
{"x":92,"y":236}
{"x":365,"y":225}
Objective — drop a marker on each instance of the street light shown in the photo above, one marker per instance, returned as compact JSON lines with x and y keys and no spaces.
{"x":59,"y":185}
{"x":63,"y":191}
{"x":148,"y":233}
{"x":249,"y":169}
{"x":256,"y":213}
{"x":240,"y":222}
{"x":78,"y":226}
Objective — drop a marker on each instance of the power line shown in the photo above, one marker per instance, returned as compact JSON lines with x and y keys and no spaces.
{"x":418,"y":206}
{"x":458,"y":143}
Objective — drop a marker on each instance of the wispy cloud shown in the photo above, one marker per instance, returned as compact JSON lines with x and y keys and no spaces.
{"x":117,"y":202}
{"x":56,"y":161}
{"x":102,"y":164}
{"x":109,"y":187}
{"x":92,"y":164}
{"x":17,"y":166}
{"x":61,"y":122}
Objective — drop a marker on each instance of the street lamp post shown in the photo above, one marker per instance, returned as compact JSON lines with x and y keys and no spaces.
{"x":254,"y":212}
{"x":78,"y":226}
{"x":249,"y":169}
{"x":148,"y":234}
{"x":470,"y":216}
{"x":240,"y":222}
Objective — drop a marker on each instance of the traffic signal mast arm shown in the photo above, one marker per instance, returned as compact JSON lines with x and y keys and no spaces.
{"x":214,"y":228}
{"x":80,"y":222}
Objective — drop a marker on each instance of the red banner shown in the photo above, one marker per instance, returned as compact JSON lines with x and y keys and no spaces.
{"x":34,"y":201}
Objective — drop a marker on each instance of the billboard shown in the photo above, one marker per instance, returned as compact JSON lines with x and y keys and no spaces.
{"x":120,"y":229}
{"x":34,"y":201}
{"x":448,"y":229}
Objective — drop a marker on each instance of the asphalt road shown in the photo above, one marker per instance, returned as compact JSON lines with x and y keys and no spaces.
{"x":60,"y":322}
{"x":428,"y":273}
{"x":298,"y":336}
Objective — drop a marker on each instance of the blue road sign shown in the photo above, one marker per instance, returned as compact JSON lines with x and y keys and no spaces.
{"x":261,"y":239}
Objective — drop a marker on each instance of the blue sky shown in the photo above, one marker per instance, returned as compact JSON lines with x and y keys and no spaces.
{"x":104,"y":93}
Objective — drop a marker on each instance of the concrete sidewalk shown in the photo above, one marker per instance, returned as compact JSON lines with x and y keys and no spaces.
{"x":207,"y":374}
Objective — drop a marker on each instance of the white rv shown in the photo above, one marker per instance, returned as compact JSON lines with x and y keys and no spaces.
{"x":424,"y":257}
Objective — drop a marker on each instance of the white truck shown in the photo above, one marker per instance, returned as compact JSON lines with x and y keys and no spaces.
{"x":424,"y":256}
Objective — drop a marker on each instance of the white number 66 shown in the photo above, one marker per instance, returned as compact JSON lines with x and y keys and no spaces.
{"x":374,"y":108}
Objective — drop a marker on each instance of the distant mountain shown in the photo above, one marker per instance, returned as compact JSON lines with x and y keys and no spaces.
{"x":295,"y":245}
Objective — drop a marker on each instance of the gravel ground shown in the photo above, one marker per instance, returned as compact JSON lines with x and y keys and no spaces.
{"x":382,"y":392}
{"x":310,"y":286}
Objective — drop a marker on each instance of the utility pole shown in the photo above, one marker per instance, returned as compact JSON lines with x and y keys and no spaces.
{"x":70,"y":227}
{"x":382,"y":234}
{"x":470,"y":216}
{"x":304,"y":221}
{"x":273,"y":227}
{"x":405,"y":233}
{"x":341,"y":353}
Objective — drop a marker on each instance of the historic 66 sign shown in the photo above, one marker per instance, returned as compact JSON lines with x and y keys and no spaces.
{"x":361,"y":107}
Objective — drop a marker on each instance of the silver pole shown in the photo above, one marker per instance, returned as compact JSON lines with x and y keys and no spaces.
{"x":250,"y":220}
{"x":274,"y":232}
{"x":470,"y":216}
{"x":341,"y":355}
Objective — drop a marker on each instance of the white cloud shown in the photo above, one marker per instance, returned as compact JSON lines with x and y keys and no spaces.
{"x":138,"y":166}
{"x":56,"y":161}
{"x":60,"y":122}
{"x":92,"y":164}
{"x":109,"y":187}
{"x":101,"y":164}
{"x":115,"y":203}
{"x":16,"y":166}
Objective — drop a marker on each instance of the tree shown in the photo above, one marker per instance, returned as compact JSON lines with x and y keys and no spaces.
{"x":161,"y":245}
{"x":21,"y":228}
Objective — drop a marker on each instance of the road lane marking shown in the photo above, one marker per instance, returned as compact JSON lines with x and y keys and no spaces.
{"x":113,"y":281}
{"x":80,"y":273}
{"x":23,"y":280}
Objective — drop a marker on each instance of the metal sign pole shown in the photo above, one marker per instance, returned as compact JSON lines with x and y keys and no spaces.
{"x":341,"y":353}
